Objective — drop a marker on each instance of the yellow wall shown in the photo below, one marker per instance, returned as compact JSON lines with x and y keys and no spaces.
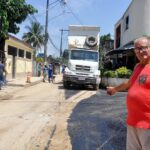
{"x":23,"y":65}
{"x":9,"y":64}
{"x":28,"y":66}
{"x":13,"y":42}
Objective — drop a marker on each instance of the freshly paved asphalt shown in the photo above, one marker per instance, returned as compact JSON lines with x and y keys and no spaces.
{"x":98,"y":123}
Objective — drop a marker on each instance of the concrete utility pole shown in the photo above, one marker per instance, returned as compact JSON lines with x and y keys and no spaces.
{"x":61,"y":30}
{"x":46,"y":33}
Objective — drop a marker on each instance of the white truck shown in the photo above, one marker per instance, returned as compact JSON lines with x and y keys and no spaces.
{"x":83,"y":56}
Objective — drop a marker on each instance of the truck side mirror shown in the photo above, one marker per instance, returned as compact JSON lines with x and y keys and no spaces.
{"x":66,"y":54}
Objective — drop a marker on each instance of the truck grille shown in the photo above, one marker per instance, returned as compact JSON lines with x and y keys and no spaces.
{"x":82,"y":68}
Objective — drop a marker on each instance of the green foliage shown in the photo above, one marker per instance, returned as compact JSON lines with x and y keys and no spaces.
{"x":35,"y":35}
{"x":12,"y":13}
{"x":121,"y":72}
{"x":105,"y":38}
{"x":39,"y":60}
{"x":110,"y":74}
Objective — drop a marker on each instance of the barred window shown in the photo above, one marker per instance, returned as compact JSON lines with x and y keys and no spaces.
{"x":21,"y":53}
{"x":28,"y":55}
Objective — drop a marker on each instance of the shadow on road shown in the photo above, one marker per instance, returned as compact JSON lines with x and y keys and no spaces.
{"x":73,"y":89}
{"x":98,"y":123}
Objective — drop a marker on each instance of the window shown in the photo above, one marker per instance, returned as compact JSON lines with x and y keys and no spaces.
{"x":84,"y":55}
{"x":12,"y":50}
{"x":127,"y":23}
{"x":118,"y":36}
{"x":28,"y":55}
{"x":21,"y":53}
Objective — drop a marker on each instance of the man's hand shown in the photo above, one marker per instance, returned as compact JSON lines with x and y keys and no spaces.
{"x":111,"y":90}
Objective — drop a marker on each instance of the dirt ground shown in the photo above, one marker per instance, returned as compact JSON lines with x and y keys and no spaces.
{"x":35,"y":118}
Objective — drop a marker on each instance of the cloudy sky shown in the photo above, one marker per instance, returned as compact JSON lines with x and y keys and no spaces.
{"x":102,"y":13}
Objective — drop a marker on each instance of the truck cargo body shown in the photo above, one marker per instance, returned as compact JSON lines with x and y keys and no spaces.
{"x":83,"y":60}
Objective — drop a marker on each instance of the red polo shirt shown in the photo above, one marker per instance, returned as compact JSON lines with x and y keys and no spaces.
{"x":138,"y":98}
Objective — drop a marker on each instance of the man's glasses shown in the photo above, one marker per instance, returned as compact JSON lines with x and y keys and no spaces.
{"x":142,"y":48}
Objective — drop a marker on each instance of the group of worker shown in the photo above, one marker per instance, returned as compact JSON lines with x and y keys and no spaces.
{"x":46,"y":70}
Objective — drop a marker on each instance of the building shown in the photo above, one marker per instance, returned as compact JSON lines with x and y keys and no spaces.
{"x":18,"y":56}
{"x":133,"y":24}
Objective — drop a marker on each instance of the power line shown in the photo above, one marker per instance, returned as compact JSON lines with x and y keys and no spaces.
{"x":63,"y":13}
{"x":52,"y":43}
{"x":44,"y":12}
{"x":61,"y":30}
{"x":75,"y":16}
{"x":54,"y":2}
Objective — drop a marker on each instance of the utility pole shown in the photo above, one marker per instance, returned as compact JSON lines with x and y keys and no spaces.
{"x":46,"y":33}
{"x":61,"y":30}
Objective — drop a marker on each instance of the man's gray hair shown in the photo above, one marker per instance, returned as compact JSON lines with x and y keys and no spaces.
{"x":143,"y":38}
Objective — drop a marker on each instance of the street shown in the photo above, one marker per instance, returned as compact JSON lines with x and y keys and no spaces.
{"x":47,"y":117}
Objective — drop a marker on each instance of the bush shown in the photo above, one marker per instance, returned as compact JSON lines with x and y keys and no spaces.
{"x":121,"y":72}
{"x":109,"y":73}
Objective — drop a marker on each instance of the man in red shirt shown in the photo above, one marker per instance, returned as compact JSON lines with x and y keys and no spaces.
{"x":138,"y":98}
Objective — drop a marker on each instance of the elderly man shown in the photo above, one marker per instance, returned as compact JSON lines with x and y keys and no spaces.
{"x":138,"y":98}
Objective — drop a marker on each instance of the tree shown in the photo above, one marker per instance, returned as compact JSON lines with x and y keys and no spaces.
{"x":13,"y":13}
{"x":106,"y":43}
{"x":105,"y":38}
{"x":35,"y":35}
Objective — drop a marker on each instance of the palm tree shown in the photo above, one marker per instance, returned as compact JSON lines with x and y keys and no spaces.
{"x":34,"y":36}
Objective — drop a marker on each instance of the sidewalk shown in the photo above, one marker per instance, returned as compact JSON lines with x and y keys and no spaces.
{"x":14,"y":85}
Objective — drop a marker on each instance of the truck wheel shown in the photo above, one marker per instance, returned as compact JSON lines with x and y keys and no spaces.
{"x":96,"y":87}
{"x":66,"y":85}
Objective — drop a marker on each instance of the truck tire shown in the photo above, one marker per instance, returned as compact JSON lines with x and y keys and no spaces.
{"x":96,"y":87}
{"x":91,"y":41}
{"x":66,"y":85}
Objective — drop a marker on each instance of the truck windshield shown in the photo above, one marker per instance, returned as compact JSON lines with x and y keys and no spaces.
{"x":84,"y":55}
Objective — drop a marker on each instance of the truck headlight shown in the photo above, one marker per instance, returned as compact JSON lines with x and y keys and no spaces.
{"x":68,"y":71}
{"x":97,"y":73}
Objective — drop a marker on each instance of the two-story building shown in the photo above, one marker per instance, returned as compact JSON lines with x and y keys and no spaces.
{"x":133,"y":24}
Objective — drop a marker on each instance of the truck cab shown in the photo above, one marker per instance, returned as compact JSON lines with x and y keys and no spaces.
{"x":83,"y":56}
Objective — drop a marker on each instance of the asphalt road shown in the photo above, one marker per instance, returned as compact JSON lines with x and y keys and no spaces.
{"x":98,"y":123}
{"x":48,"y":117}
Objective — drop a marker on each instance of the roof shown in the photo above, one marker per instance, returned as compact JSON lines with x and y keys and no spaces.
{"x":83,"y":28}
{"x":21,"y":41}
{"x":120,"y":50}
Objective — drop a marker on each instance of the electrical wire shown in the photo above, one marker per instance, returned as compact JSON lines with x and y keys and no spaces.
{"x":54,"y":2}
{"x":44,"y":12}
{"x":75,"y":16}
{"x":52,"y":43}
{"x":63,"y":13}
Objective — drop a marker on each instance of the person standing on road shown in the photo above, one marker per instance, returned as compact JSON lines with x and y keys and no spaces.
{"x":39,"y":67}
{"x":2,"y":70}
{"x":50,"y":73}
{"x":44,"y":72}
{"x":138,"y":98}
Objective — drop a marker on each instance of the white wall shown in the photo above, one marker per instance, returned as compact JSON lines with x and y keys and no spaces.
{"x":139,"y":21}
{"x":78,"y":34}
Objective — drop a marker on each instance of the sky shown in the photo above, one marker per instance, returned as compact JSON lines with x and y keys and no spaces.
{"x":102,"y":13}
